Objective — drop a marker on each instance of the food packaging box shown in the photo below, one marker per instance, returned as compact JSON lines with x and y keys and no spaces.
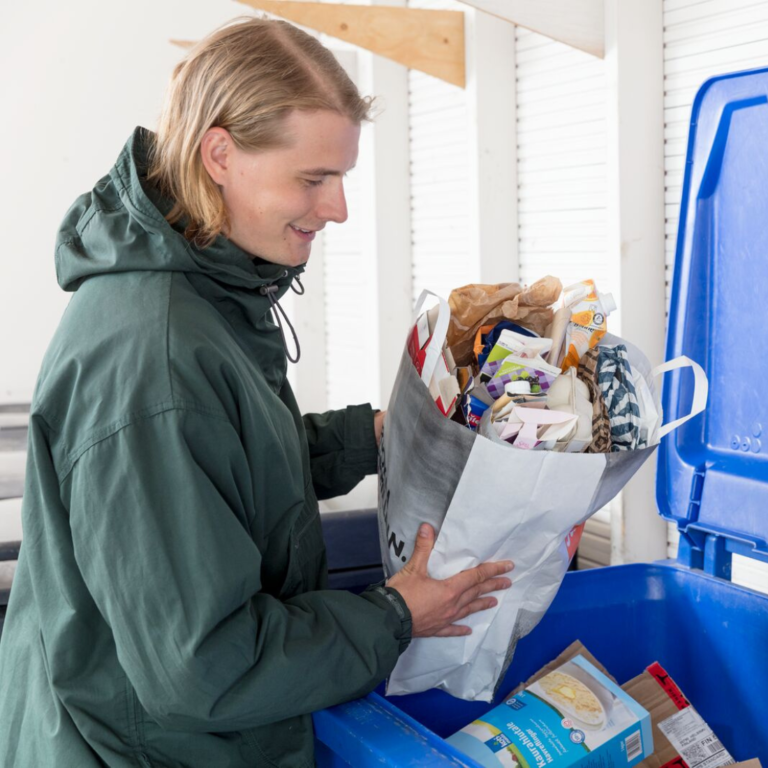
{"x":657,"y":692}
{"x":572,"y":715}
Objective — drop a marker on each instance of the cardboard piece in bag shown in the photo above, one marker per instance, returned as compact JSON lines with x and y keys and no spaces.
{"x":443,"y":386}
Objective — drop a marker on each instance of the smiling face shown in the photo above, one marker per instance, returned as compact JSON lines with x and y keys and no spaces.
{"x":278,"y":199}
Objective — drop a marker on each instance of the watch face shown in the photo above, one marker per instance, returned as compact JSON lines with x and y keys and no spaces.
{"x":388,"y":592}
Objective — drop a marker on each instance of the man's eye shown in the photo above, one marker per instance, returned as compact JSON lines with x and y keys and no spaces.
{"x":313,"y":182}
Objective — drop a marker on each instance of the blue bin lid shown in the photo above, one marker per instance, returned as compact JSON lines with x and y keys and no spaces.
{"x":713,"y":471}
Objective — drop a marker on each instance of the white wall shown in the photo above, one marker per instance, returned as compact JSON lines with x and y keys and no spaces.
{"x":93,"y":72}
{"x":87,"y":73}
{"x":77,"y":79}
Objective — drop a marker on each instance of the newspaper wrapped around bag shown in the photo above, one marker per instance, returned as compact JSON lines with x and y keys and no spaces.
{"x":489,"y":501}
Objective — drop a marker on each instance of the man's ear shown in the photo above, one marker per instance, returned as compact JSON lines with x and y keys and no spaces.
{"x":216,"y":153}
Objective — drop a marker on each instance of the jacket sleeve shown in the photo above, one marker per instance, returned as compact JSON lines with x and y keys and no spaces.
{"x":342,"y":449}
{"x":160,"y":514}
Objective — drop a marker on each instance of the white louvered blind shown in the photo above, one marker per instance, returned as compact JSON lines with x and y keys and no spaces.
{"x":345,"y":300}
{"x":348,"y":322}
{"x":703,"y":39}
{"x":346,"y":305}
{"x":440,"y":188}
{"x":562,"y":187}
{"x":562,"y":180}
{"x":348,"y":331}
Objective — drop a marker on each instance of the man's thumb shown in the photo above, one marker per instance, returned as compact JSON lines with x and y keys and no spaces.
{"x":425,"y":541}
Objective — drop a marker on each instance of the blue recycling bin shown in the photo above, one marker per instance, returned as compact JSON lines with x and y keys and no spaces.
{"x":712,"y":481}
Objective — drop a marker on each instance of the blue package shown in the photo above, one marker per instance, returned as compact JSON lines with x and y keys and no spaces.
{"x":489,"y":340}
{"x":473,"y":409}
{"x":572,"y":716}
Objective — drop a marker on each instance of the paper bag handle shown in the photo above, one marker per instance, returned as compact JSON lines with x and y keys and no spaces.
{"x":700,"y":389}
{"x":435,"y":346}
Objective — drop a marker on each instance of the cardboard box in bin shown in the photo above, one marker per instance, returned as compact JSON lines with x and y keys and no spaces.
{"x":682,"y":739}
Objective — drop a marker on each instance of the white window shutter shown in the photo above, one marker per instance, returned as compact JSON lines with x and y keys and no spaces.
{"x":562,"y":179}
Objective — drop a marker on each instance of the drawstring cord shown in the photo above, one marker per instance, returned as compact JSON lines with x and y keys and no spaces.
{"x":277,"y":310}
{"x":295,"y":289}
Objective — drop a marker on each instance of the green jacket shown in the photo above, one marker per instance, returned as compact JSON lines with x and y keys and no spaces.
{"x":170,"y":604}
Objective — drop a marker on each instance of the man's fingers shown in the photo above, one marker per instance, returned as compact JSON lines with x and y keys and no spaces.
{"x":491,"y":585}
{"x":425,"y":540}
{"x":481,"y":604}
{"x":458,"y":630}
{"x":453,"y":630}
{"x":474,"y":577}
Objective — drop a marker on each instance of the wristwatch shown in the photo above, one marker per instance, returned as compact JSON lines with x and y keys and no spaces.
{"x":384,"y":595}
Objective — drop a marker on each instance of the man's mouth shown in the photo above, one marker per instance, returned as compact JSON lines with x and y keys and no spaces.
{"x":305,"y":234}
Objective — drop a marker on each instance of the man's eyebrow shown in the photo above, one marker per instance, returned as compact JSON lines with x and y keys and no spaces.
{"x":323,"y":172}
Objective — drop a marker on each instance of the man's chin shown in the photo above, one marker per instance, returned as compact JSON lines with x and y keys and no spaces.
{"x":300,"y":259}
{"x":287,"y":260}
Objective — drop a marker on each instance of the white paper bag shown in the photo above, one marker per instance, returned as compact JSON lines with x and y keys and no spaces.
{"x":488,"y":501}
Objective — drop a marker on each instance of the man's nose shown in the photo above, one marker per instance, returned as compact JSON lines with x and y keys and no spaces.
{"x":333,"y":205}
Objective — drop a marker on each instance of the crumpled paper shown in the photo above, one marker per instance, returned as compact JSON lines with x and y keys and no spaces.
{"x":475,"y":305}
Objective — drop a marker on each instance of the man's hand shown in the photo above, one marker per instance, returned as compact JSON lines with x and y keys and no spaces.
{"x":378,"y":425}
{"x":434,"y":604}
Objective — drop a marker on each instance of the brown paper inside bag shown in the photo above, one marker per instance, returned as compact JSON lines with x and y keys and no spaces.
{"x":476,"y":305}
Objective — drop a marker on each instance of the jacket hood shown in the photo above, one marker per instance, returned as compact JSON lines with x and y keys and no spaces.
{"x":120,"y":226}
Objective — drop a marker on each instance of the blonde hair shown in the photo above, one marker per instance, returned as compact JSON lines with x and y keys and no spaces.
{"x":245,"y":77}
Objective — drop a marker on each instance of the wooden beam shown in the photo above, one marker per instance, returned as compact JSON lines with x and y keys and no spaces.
{"x":578,"y":23}
{"x":430,"y":41}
